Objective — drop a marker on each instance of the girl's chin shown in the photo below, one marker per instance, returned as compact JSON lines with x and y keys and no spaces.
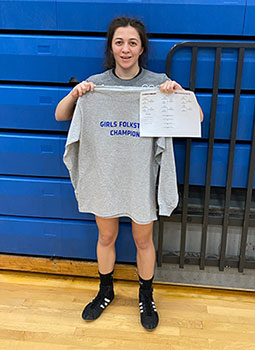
{"x":126,"y":65}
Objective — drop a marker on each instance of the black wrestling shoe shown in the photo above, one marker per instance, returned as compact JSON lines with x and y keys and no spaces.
{"x":148,"y":311}
{"x":94,"y":309}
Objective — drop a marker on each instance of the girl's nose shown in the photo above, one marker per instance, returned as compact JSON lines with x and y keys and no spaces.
{"x":125,"y":48}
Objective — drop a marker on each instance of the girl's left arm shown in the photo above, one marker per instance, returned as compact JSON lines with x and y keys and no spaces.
{"x":170,"y":86}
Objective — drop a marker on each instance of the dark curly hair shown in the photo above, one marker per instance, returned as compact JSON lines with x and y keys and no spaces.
{"x":125,"y":22}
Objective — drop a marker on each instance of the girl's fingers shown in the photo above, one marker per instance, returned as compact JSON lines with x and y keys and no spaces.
{"x":82,"y":88}
{"x":177,"y":86}
{"x":170,"y":86}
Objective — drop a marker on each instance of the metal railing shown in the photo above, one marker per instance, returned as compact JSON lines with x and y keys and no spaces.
{"x":224,"y":217}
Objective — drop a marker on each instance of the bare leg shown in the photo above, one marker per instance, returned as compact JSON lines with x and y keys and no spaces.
{"x":145,"y":249}
{"x":107,"y":234}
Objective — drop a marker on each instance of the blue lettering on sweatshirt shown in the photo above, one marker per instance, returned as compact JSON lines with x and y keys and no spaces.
{"x":108,"y":124}
{"x":121,"y":124}
{"x":125,"y":132}
{"x":125,"y":124}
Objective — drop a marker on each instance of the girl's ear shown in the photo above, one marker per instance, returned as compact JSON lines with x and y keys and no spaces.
{"x":142,"y":49}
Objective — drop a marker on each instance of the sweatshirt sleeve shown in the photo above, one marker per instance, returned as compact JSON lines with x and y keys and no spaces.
{"x":167,"y":186}
{"x":71,"y":154}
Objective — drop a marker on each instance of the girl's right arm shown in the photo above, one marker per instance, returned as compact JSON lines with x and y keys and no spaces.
{"x":66,"y":106}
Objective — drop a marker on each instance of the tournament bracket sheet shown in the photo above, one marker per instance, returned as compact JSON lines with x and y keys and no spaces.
{"x":169,"y":115}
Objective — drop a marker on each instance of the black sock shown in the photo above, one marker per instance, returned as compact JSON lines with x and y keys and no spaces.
{"x":145,"y":284}
{"x":106,"y":279}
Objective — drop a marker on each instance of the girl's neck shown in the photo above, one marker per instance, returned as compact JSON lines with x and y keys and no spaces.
{"x":127,"y":74}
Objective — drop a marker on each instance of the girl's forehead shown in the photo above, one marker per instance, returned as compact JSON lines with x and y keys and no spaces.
{"x":126,"y":32}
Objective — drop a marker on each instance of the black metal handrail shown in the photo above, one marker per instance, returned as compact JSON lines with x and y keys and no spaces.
{"x":206,"y":218}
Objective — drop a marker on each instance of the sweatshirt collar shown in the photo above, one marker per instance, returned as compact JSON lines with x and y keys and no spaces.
{"x":126,"y":82}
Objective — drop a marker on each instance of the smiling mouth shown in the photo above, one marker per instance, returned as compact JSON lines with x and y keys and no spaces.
{"x":125,"y":58}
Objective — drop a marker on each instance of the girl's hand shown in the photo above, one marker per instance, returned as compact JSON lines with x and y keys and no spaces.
{"x":170,"y":86}
{"x":81,"y":89}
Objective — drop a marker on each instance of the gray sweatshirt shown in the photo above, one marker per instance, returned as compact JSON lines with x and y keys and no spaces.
{"x":113,"y":169}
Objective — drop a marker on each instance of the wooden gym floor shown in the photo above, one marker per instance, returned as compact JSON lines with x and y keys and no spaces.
{"x":39,"y":312}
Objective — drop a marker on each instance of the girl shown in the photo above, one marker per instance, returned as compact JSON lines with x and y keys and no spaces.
{"x":126,"y":49}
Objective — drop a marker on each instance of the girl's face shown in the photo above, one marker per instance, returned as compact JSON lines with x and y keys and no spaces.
{"x":126,"y":48}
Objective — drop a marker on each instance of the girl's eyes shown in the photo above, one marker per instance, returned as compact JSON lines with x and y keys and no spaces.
{"x":132,"y":43}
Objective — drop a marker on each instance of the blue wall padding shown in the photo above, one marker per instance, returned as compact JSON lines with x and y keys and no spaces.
{"x":28,"y":14}
{"x":62,"y":238}
{"x":176,"y":16}
{"x":57,"y":59}
{"x":31,"y":107}
{"x":38,"y":197}
{"x":224,"y":116}
{"x":220,"y":164}
{"x":32,"y":155}
{"x":249,"y":22}
{"x":49,"y":58}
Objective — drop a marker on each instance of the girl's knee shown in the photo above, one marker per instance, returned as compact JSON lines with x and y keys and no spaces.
{"x":143,"y":243}
{"x":107,"y":239}
{"x":108,"y":231}
{"x":142,"y":235}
